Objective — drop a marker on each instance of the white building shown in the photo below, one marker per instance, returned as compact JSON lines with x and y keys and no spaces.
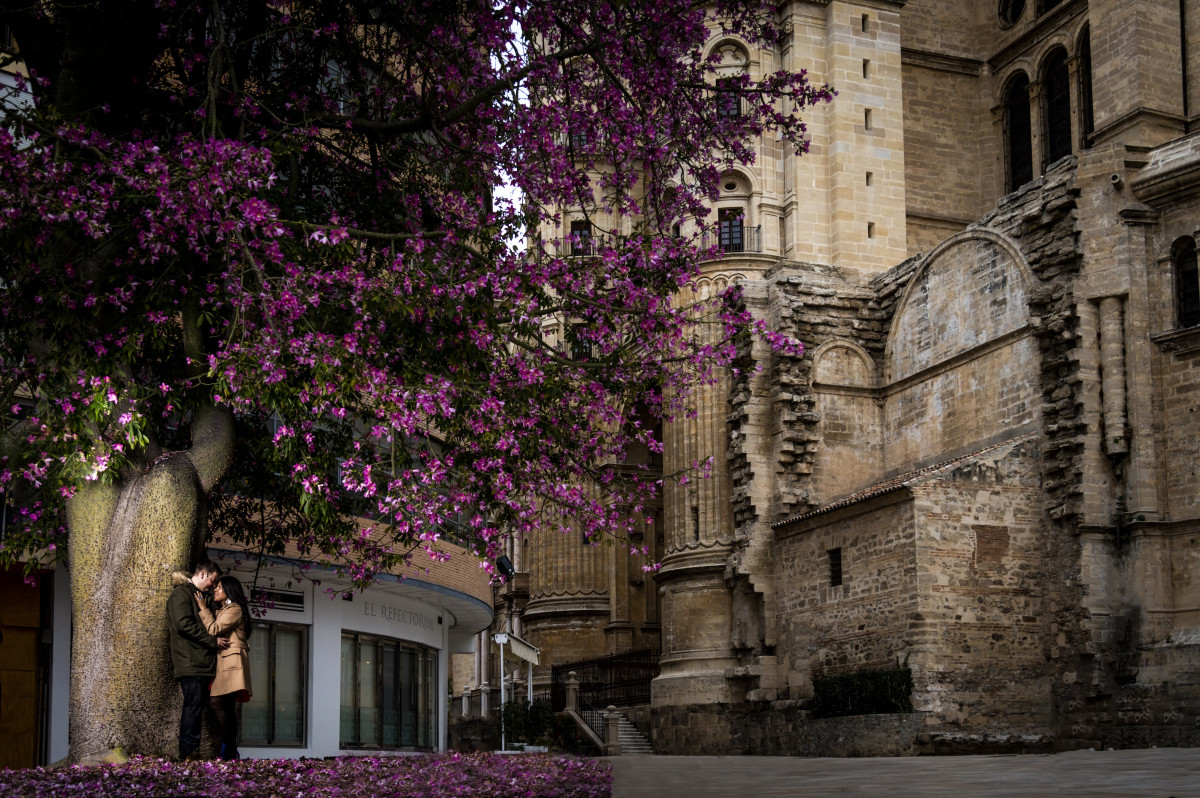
{"x":334,"y":671}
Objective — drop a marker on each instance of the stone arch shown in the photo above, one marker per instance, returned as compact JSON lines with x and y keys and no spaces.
{"x":849,"y":430}
{"x":732,"y":52}
{"x":1081,"y":33}
{"x":709,"y":285}
{"x":843,"y":363}
{"x":1018,"y":70}
{"x":940,"y":315}
{"x":746,"y":196}
{"x":962,"y":365}
{"x":747,"y":183}
{"x":1061,"y":40}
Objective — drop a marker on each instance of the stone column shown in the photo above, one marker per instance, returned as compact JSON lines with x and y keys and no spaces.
{"x":619,"y":631}
{"x":568,"y":596}
{"x":696,"y":601}
{"x":1037,"y":125}
{"x":612,"y":732}
{"x":572,"y":692}
{"x":1112,"y":375}
{"x":1073,"y":67}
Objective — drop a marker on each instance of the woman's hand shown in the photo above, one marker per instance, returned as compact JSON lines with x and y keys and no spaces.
{"x":201,"y":602}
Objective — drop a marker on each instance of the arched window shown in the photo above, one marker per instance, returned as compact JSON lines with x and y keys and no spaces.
{"x":1017,"y":133}
{"x":1087,"y":122}
{"x":1056,"y":82}
{"x":1187,"y":282}
{"x":734,"y":62}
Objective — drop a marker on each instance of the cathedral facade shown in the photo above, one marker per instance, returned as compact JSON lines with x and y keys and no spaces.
{"x":984,"y":472}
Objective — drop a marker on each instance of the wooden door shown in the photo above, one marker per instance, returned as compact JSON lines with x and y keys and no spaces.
{"x":20,"y":677}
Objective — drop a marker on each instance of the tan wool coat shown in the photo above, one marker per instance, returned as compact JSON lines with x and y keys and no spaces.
{"x":233,"y":663}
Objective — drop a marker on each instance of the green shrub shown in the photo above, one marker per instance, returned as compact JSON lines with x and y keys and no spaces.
{"x":863,"y":693}
{"x":526,"y":723}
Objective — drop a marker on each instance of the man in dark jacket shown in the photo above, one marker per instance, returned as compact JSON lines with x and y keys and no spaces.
{"x":193,"y":652}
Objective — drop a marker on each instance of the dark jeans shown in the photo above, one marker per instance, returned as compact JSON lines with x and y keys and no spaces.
{"x":223,"y":706}
{"x":195,"y":696}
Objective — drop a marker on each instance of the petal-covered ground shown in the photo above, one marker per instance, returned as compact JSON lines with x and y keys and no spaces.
{"x":484,"y":775}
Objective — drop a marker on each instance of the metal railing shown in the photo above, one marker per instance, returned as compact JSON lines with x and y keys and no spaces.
{"x":620,"y":680}
{"x":581,"y":246}
{"x":734,"y":240}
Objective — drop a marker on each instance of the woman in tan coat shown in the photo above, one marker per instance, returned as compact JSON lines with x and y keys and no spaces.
{"x":232,"y":683}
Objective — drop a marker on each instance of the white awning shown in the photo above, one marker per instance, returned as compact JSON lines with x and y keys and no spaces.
{"x":514,"y":649}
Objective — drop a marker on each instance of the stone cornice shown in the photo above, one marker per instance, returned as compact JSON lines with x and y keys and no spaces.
{"x":940,"y":62}
{"x":1173,"y":171}
{"x":1134,"y":117}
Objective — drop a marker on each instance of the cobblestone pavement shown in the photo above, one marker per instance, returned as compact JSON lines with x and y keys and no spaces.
{"x":1148,"y":773}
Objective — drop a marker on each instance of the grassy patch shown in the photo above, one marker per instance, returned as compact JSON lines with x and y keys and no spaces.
{"x":863,"y":693}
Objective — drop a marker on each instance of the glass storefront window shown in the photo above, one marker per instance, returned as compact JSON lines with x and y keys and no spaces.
{"x":275,"y":714}
{"x":387,"y":693}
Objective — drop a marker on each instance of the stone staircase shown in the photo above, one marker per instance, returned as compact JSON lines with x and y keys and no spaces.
{"x":632,"y":741}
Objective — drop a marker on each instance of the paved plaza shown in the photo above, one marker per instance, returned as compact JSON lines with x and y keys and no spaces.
{"x":1150,"y":773}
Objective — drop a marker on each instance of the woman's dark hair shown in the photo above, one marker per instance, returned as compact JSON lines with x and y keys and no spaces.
{"x":233,"y":592}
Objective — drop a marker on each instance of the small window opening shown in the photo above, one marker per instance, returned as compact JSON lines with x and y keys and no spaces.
{"x":870,"y":177}
{"x":1010,"y":11}
{"x":866,"y":23}
{"x":867,"y":118}
{"x":866,"y":67}
{"x":870,"y":229}
{"x":695,"y":522}
{"x":581,"y":349}
{"x":729,"y":100}
{"x":835,"y":566}
{"x":730,"y":229}
{"x":581,"y":140}
{"x":1187,"y":283}
{"x":581,"y":237}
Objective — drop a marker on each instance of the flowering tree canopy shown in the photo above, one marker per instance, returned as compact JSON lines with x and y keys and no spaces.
{"x":278,"y":222}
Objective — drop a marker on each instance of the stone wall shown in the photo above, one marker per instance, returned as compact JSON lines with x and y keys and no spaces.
{"x":942,"y":191}
{"x":863,"y":623}
{"x":979,"y":634}
{"x":942,"y":572}
{"x":782,"y":728}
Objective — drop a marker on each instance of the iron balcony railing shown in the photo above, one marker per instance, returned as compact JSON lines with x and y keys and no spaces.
{"x":578,"y":245}
{"x":734,"y":239}
{"x":620,"y":680}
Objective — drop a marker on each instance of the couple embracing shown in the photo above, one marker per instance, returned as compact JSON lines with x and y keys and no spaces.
{"x":210,"y":653}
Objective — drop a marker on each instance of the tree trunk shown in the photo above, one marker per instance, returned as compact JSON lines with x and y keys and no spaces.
{"x":125,"y":540}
